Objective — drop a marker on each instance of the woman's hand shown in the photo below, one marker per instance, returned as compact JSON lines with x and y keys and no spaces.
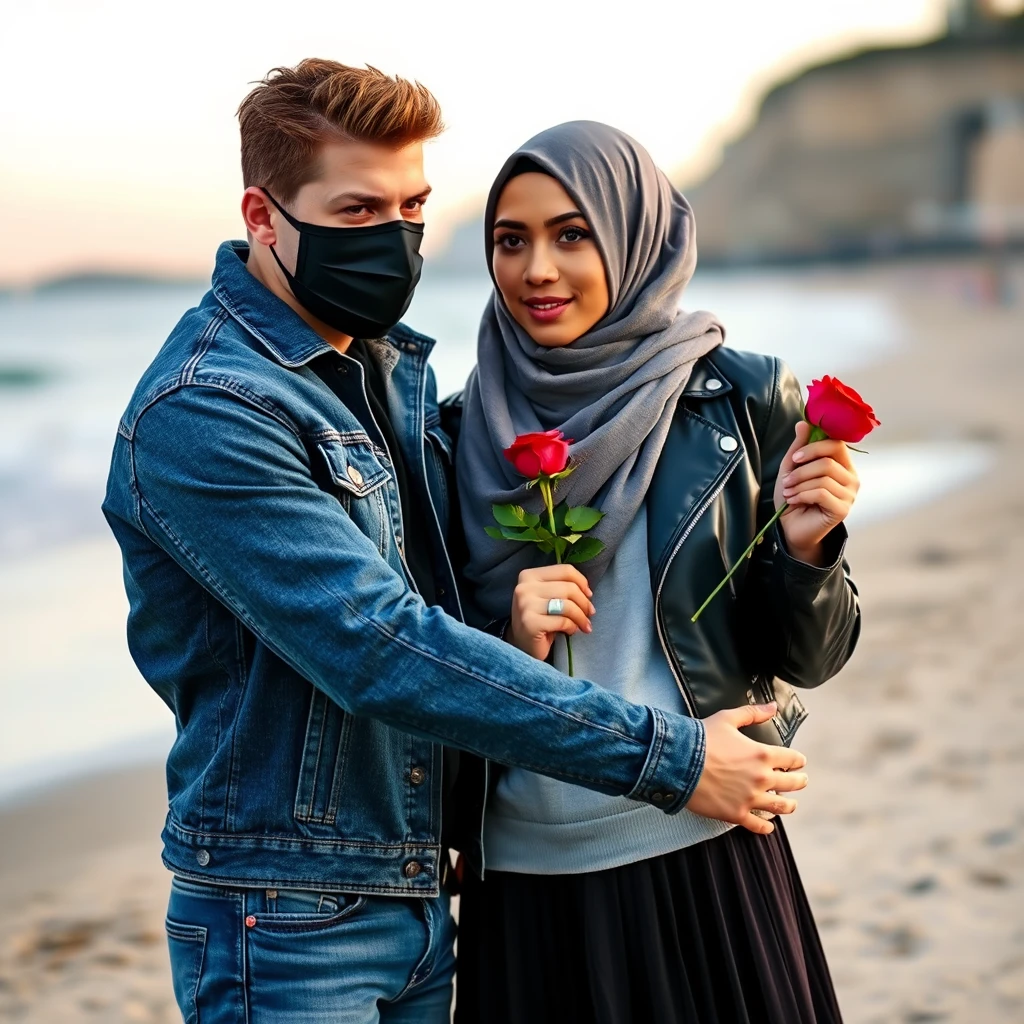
{"x":820,"y":484}
{"x":532,"y":629}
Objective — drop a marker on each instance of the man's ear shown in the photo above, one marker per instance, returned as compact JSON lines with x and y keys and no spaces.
{"x":258,"y":213}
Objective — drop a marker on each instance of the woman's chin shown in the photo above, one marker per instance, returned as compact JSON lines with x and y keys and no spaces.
{"x":554,"y":335}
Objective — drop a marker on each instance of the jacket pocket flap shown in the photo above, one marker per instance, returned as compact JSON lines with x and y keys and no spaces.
{"x":353,"y":466}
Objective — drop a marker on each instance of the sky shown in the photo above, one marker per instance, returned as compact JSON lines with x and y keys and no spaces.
{"x":118,"y":140}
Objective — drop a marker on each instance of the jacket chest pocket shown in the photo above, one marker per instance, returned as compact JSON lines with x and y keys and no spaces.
{"x":358,"y":480}
{"x":324,"y":759}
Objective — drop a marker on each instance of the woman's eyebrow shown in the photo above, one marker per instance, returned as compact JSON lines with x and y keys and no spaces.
{"x":563,"y":217}
{"x":517,"y":224}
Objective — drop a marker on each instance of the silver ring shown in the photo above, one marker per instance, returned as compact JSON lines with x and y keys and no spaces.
{"x":555,"y":606}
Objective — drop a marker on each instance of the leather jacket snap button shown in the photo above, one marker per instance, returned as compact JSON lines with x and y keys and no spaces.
{"x":728,"y":444}
{"x":417,"y":775}
{"x":713,"y":384}
{"x":203,"y":858}
{"x":412,"y":869}
{"x":355,"y":476}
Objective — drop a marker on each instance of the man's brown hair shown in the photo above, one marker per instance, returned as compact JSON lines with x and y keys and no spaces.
{"x":287,"y":118}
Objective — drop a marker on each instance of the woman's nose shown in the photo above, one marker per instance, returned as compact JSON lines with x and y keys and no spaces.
{"x":540,"y":269}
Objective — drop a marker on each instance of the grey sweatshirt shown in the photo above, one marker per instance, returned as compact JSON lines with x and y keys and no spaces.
{"x":537,"y":825}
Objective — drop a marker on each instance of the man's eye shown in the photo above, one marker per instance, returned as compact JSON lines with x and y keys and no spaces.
{"x":355,"y":211}
{"x":414,"y":204}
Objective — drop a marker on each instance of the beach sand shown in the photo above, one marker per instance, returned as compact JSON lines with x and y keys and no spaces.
{"x":911,"y":835}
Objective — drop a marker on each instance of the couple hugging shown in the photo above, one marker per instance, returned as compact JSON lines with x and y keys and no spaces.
{"x":365,"y":683}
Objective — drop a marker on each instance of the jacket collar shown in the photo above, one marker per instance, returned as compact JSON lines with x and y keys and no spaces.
{"x":706,"y":380}
{"x":286,"y":336}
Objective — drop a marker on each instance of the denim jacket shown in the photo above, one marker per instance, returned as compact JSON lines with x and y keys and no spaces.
{"x":272,"y":611}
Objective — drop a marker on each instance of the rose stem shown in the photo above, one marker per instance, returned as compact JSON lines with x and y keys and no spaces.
{"x":739,"y":561}
{"x":549,"y":502}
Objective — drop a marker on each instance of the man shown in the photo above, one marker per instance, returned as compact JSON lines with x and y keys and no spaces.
{"x":278,"y":490}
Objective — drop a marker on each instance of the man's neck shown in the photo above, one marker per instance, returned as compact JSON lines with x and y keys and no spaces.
{"x":338,"y":341}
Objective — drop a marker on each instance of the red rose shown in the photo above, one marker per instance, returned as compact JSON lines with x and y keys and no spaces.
{"x":533,"y":454}
{"x":839,"y":410}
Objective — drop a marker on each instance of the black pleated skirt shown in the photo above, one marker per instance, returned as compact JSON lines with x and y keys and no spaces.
{"x":718,"y":933}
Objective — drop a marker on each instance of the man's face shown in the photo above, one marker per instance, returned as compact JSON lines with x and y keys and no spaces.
{"x":360,"y":183}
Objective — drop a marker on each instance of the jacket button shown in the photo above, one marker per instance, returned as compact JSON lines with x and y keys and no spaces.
{"x":203,"y":858}
{"x":657,"y":797}
{"x":728,"y":444}
{"x":412,"y":869}
{"x":355,"y":476}
{"x":417,"y":775}
{"x":713,"y":384}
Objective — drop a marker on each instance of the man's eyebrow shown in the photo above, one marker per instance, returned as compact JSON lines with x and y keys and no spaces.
{"x":362,"y":198}
{"x":423,"y":193}
{"x":563,"y":217}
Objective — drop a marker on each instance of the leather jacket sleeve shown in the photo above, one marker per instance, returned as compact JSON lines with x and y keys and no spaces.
{"x":798,"y":622}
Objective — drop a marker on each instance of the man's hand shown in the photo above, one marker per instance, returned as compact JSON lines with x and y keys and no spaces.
{"x":739,"y":772}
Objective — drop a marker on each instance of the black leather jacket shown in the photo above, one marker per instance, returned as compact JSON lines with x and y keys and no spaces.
{"x":780,"y":624}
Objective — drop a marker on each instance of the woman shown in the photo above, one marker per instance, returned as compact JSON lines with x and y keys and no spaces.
{"x":597,"y":908}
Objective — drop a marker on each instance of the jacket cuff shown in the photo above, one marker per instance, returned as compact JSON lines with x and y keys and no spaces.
{"x":674,"y":762}
{"x":833,"y":549}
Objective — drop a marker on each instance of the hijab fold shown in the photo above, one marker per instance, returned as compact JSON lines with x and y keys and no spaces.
{"x":615,"y":389}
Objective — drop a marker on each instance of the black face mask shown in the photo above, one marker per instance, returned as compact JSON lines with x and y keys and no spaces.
{"x":357,"y":280}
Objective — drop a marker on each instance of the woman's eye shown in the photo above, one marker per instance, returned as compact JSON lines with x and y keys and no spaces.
{"x":574,"y":234}
{"x":511,"y":242}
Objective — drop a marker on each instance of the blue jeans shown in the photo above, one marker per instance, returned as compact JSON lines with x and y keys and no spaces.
{"x":265,"y":956}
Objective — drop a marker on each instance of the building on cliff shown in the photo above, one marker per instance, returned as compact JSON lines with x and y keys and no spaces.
{"x":898,"y":150}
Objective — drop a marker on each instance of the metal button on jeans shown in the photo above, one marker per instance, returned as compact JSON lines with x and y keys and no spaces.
{"x":417,"y":775}
{"x":412,"y":869}
{"x":203,"y":858}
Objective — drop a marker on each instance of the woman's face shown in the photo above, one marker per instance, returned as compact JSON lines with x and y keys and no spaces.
{"x":545,"y":262}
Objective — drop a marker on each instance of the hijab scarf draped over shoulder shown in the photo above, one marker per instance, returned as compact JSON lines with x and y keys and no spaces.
{"x":615,"y":389}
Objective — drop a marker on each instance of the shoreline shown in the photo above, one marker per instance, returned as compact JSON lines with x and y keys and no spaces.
{"x":910,"y":837}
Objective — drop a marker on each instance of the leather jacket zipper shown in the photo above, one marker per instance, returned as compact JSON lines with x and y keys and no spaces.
{"x":677,"y":671}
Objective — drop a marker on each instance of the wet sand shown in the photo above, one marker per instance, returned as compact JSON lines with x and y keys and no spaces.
{"x":911,"y":836}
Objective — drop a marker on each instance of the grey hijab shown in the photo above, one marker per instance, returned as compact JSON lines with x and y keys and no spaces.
{"x":615,"y":389}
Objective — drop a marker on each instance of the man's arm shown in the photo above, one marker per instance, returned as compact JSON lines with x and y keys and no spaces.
{"x":224,"y":487}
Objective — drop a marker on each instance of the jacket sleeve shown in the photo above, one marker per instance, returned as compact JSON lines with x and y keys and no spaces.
{"x":223,"y":485}
{"x":799,"y":622}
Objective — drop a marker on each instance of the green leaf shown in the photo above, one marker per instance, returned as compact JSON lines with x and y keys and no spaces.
{"x":546,"y":546}
{"x":530,"y":519}
{"x":527,"y":533}
{"x":585,"y":549}
{"x":560,"y":509}
{"x":555,"y":477}
{"x":560,"y":545}
{"x":544,"y":533}
{"x":493,"y":531}
{"x":571,"y":538}
{"x":583,"y":518}
{"x":509,"y":515}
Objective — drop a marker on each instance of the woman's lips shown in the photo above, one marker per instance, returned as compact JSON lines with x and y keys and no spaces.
{"x":547,"y":308}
